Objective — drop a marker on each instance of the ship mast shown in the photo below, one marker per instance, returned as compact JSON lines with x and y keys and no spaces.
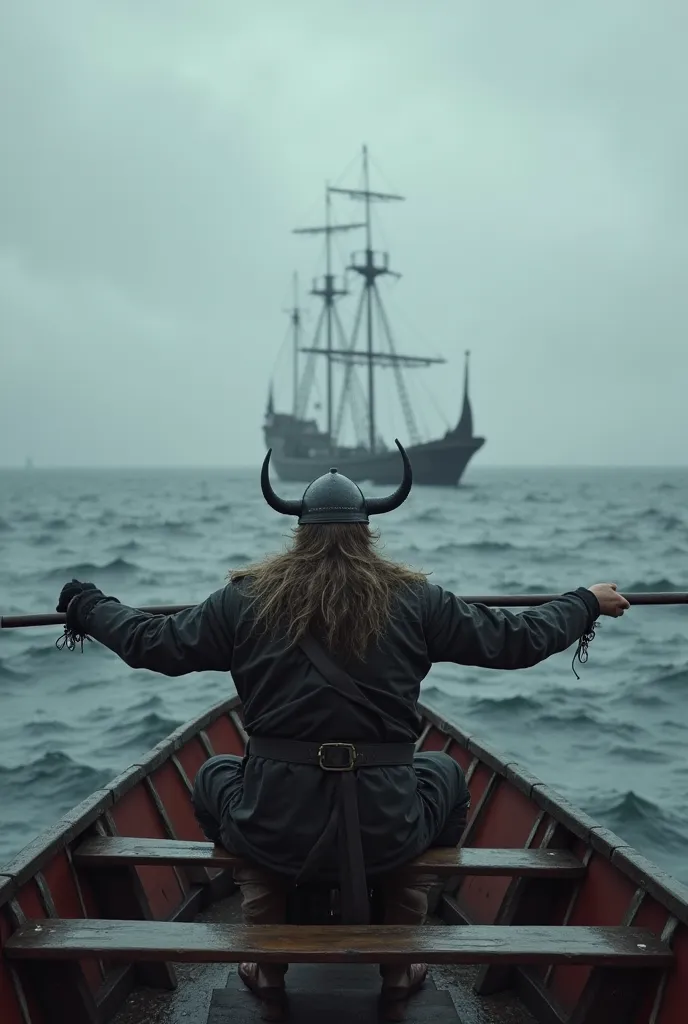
{"x":326,"y":288}
{"x":369,"y":265}
{"x":295,"y":317}
{"x":369,"y":271}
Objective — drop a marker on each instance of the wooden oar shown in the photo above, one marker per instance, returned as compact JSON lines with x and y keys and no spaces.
{"x":495,"y":601}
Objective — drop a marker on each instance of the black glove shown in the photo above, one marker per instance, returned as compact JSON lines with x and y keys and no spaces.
{"x":69,"y":591}
{"x":73,"y":633}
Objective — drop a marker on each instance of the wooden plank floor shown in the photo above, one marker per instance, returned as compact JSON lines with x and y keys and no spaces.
{"x":332,"y":993}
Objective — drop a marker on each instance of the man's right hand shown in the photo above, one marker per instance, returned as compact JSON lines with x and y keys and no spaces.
{"x":610,"y":602}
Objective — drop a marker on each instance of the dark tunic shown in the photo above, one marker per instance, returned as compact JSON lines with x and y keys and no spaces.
{"x":274,"y":812}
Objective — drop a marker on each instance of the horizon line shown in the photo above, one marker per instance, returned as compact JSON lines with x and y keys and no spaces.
{"x":114,"y":467}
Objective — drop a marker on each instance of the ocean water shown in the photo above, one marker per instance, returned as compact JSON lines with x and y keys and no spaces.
{"x":614,"y":742}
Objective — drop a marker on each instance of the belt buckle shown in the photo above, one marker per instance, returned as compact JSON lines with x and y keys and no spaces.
{"x":322,"y":752}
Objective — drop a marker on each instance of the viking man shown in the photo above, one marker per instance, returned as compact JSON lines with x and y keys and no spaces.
{"x":328,"y":644}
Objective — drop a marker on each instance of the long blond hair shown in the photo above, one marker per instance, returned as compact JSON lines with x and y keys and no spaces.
{"x":331,"y":579}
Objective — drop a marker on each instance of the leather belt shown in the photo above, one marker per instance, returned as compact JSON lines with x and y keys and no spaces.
{"x":343,"y":759}
{"x":331,"y":756}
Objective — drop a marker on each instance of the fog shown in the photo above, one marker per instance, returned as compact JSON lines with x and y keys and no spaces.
{"x":156,"y":157}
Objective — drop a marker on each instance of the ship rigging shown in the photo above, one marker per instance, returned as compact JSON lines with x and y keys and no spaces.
{"x":300,"y":449}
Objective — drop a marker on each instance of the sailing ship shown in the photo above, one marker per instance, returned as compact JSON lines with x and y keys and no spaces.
{"x":302,"y":449}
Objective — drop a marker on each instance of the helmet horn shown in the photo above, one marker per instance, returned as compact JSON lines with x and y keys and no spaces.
{"x":375,"y":506}
{"x":291,"y":507}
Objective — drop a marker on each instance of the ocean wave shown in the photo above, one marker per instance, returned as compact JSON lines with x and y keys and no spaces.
{"x":157,"y":527}
{"x":5,"y":527}
{"x":612,"y":537}
{"x":482,"y":546}
{"x":660,"y":674}
{"x":642,"y":698}
{"x":675,"y":551}
{"x":54,"y":774}
{"x":142,"y":734}
{"x":512,"y":520}
{"x":593,"y":726}
{"x":238,"y":558}
{"x":104,"y":518}
{"x":103,"y":713}
{"x":640,"y":821}
{"x":553,"y":556}
{"x":127,"y":547}
{"x":62,"y":659}
{"x":635,"y":754}
{"x":675,"y":679}
{"x":49,"y":727}
{"x":663,"y":520}
{"x":658,"y":645}
{"x":430,"y":515}
{"x":663,"y":583}
{"x":435,"y":696}
{"x":149,"y":581}
{"x":532,"y":497}
{"x":517,"y":587}
{"x":175,"y":526}
{"x":39,"y":652}
{"x":9,"y":673}
{"x":44,"y":540}
{"x":57,"y":523}
{"x":85,"y":571}
{"x":83,"y":685}
{"x":153,"y":702}
{"x":515,"y":704}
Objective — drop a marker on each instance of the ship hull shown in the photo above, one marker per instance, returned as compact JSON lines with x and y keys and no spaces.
{"x":437,"y":463}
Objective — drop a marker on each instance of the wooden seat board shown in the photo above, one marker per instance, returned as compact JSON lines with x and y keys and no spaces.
{"x":118,"y":850}
{"x":198,"y":942}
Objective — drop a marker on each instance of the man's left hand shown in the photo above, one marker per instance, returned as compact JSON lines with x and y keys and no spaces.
{"x":71,"y":590}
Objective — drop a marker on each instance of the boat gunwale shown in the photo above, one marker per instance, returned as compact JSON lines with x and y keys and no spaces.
{"x":29,"y":860}
{"x":671,"y":893}
{"x":664,"y":888}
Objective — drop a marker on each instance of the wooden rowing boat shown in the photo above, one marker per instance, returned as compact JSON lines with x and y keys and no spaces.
{"x":122,"y":911}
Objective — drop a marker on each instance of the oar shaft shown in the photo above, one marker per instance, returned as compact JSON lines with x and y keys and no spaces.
{"x":503,"y":601}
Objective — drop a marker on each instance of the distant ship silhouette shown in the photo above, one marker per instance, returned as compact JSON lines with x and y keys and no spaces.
{"x":301,"y":451}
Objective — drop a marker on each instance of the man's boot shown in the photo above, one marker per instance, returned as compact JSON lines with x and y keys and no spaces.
{"x":264,"y":901}
{"x":405,"y":901}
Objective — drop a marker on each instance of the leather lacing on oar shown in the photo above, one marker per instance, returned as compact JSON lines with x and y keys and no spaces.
{"x":582,"y":649}
{"x":70,"y":638}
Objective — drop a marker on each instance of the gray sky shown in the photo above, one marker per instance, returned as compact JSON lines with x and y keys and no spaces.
{"x":156,"y":155}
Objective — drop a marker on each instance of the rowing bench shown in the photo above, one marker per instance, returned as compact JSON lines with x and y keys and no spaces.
{"x":627,"y":950}
{"x":626,"y":954}
{"x":102,"y":852}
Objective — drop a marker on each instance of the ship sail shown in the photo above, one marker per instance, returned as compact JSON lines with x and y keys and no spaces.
{"x":301,"y":448}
